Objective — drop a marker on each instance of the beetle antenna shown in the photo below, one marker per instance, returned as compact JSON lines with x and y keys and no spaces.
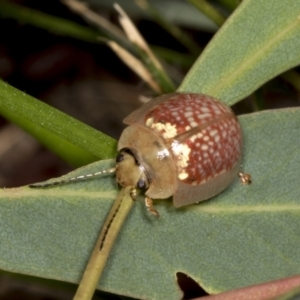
{"x":77,"y":178}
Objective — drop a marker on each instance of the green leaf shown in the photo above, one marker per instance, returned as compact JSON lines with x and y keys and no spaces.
{"x":244,"y":236}
{"x":260,"y":40}
{"x":48,"y":22}
{"x":72,"y":140}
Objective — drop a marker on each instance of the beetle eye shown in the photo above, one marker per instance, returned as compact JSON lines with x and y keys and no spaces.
{"x":119,"y":157}
{"x":141,"y":184}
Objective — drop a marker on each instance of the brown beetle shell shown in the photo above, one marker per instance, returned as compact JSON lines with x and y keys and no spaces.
{"x":188,"y":144}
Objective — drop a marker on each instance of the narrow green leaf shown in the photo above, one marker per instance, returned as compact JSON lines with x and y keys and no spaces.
{"x":170,"y":27}
{"x":260,"y":40}
{"x":229,"y":4}
{"x":244,"y":236}
{"x":173,"y":56}
{"x":209,"y":10}
{"x":72,"y":140}
{"x":160,"y":76}
{"x":48,"y":22}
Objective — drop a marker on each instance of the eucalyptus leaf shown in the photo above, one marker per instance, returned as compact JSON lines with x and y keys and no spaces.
{"x":246,"y":235}
{"x":260,"y":40}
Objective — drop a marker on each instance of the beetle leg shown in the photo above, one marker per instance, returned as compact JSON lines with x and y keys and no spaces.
{"x":245,"y":178}
{"x":150,"y":207}
{"x":133,"y":193}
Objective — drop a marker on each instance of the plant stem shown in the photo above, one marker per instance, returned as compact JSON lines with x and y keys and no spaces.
{"x":107,"y":237}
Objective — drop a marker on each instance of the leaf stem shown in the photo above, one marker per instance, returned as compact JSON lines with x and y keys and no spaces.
{"x":107,"y":237}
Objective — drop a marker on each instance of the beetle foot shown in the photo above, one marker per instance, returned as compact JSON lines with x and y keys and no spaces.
{"x":150,"y":207}
{"x":245,"y":178}
{"x":133,"y":193}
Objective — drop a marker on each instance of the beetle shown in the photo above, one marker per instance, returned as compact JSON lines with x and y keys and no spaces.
{"x":184,"y":145}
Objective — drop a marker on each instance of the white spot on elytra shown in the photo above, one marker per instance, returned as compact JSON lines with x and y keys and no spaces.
{"x":204,"y":147}
{"x":187,"y":128}
{"x":213,"y":132}
{"x":204,"y":116}
{"x":191,"y":120}
{"x":204,"y":109}
{"x":188,"y":114}
{"x":193,"y":138}
{"x":162,"y":154}
{"x":232,"y":127}
{"x":182,"y":151}
{"x":206,"y":138}
{"x":169,"y":130}
{"x":183,"y":175}
{"x":149,"y":122}
{"x":203,"y":181}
